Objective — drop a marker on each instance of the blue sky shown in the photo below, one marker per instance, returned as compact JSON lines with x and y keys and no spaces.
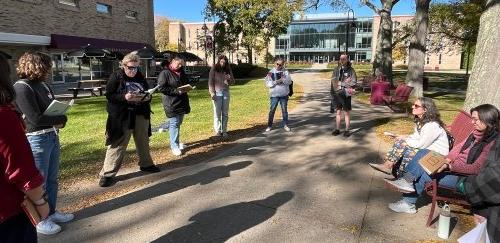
{"x":191,"y":10}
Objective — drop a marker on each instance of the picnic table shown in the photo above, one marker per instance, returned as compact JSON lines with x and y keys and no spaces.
{"x":94,"y":86}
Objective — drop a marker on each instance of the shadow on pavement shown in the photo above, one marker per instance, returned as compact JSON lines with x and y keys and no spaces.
{"x":220,"y":224}
{"x":203,"y":177}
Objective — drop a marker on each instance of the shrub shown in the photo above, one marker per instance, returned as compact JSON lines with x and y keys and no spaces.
{"x":401,"y":66}
{"x":242,"y":70}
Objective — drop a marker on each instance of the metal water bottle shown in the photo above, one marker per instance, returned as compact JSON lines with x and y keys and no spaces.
{"x":444,"y":222}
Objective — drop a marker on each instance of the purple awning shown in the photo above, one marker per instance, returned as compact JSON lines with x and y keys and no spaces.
{"x":76,"y":42}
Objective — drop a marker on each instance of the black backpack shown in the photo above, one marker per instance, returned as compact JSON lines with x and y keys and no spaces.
{"x":290,"y":88}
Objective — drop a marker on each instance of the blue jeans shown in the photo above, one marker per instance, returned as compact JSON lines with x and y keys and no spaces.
{"x":46,"y":151}
{"x":284,"y":111}
{"x":415,"y":171}
{"x":221,"y":111}
{"x":174,"y":129}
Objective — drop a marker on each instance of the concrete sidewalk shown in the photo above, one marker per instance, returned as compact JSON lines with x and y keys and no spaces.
{"x":301,"y":186}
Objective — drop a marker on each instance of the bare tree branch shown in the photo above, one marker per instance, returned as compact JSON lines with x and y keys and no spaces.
{"x":372,"y":6}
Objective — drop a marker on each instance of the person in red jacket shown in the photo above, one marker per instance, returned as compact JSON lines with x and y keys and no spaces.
{"x":20,"y":177}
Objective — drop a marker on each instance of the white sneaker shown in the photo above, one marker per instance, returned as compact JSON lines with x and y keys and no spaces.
{"x":403,"y":206}
{"x":268,"y":129}
{"x":400,"y":185}
{"x":47,"y":227}
{"x":160,"y":130}
{"x":176,"y":152}
{"x":182,"y":146}
{"x":59,"y":217}
{"x":286,"y":128}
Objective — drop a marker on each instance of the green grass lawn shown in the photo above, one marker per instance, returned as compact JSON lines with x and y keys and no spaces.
{"x":82,"y":140}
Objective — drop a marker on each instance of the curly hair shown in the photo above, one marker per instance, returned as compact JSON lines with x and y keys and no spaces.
{"x":7,"y":93}
{"x":431,"y":114}
{"x":34,"y":66}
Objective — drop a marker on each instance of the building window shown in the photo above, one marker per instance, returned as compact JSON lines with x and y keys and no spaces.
{"x":73,"y":3}
{"x":131,"y":14}
{"x":439,"y":58}
{"x":103,"y":8}
{"x":427,"y":59}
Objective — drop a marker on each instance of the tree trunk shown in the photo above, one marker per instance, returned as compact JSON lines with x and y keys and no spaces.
{"x":485,"y":74}
{"x":383,"y":54}
{"x":250,"y":55}
{"x":416,"y":62}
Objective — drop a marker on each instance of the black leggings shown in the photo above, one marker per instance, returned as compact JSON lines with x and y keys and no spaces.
{"x":17,"y":229}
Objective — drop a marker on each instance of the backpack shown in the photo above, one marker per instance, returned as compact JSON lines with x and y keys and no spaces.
{"x":290,"y":88}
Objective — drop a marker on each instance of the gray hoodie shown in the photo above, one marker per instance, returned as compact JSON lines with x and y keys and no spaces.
{"x":278,"y":89}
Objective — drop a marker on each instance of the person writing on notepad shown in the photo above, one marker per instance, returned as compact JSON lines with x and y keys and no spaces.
{"x":175,"y":99}
{"x":467,"y":157}
{"x":33,"y":96}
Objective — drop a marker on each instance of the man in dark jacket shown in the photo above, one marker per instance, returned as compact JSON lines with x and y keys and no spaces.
{"x":129,"y":113}
{"x":172,"y":84}
{"x":483,"y":192}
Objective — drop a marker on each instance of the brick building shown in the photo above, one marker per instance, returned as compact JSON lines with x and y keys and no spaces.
{"x":59,"y":26}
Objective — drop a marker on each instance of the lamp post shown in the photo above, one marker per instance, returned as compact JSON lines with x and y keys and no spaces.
{"x":213,"y":41}
{"x":348,"y":26}
{"x":205,"y":28}
{"x":179,"y":41}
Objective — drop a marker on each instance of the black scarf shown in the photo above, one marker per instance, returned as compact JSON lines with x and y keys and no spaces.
{"x":478,"y":147}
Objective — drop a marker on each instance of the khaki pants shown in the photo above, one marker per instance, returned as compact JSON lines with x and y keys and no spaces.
{"x":116,"y":151}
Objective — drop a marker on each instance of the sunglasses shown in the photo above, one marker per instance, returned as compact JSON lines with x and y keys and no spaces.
{"x":416,"y":106}
{"x":279,"y":65}
{"x":132,"y":68}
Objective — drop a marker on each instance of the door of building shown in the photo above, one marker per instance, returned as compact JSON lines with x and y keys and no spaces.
{"x":58,"y":68}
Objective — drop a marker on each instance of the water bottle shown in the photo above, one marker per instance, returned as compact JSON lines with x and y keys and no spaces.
{"x":444,"y":222}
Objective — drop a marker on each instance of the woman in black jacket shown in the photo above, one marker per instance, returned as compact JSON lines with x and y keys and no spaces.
{"x":129,"y":113}
{"x":175,"y":101}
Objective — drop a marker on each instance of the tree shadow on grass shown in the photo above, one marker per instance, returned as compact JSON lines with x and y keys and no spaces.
{"x":220,"y":224}
{"x":203,"y":177}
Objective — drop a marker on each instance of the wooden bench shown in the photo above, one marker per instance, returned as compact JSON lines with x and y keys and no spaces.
{"x":460,"y":130}
{"x":400,"y":96}
{"x":93,"y":86}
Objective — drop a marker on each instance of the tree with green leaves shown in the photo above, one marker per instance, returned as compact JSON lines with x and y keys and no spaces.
{"x":254,"y":22}
{"x":161,"y":34}
{"x":455,"y":23}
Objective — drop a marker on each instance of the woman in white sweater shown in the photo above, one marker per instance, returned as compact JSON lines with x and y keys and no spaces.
{"x":429,"y":133}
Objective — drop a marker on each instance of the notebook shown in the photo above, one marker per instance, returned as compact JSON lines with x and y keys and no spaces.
{"x":30,"y":210}
{"x":432,"y":161}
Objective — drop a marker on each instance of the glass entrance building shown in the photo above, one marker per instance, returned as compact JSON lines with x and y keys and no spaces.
{"x":323,"y":37}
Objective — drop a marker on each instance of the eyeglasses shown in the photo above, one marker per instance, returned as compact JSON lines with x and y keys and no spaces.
{"x":415,"y":106}
{"x":132,"y":68}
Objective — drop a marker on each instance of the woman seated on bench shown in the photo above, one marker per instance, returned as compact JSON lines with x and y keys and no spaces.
{"x":467,"y":157}
{"x":428,"y":133}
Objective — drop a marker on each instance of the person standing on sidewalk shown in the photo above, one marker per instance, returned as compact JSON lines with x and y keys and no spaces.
{"x":343,"y":81}
{"x":175,"y":101}
{"x":20,"y":176}
{"x":219,"y":79}
{"x":278,"y":81}
{"x":33,"y":96}
{"x":129,"y":113}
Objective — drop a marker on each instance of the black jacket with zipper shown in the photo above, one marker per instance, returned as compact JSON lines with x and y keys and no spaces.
{"x":173,"y":103}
